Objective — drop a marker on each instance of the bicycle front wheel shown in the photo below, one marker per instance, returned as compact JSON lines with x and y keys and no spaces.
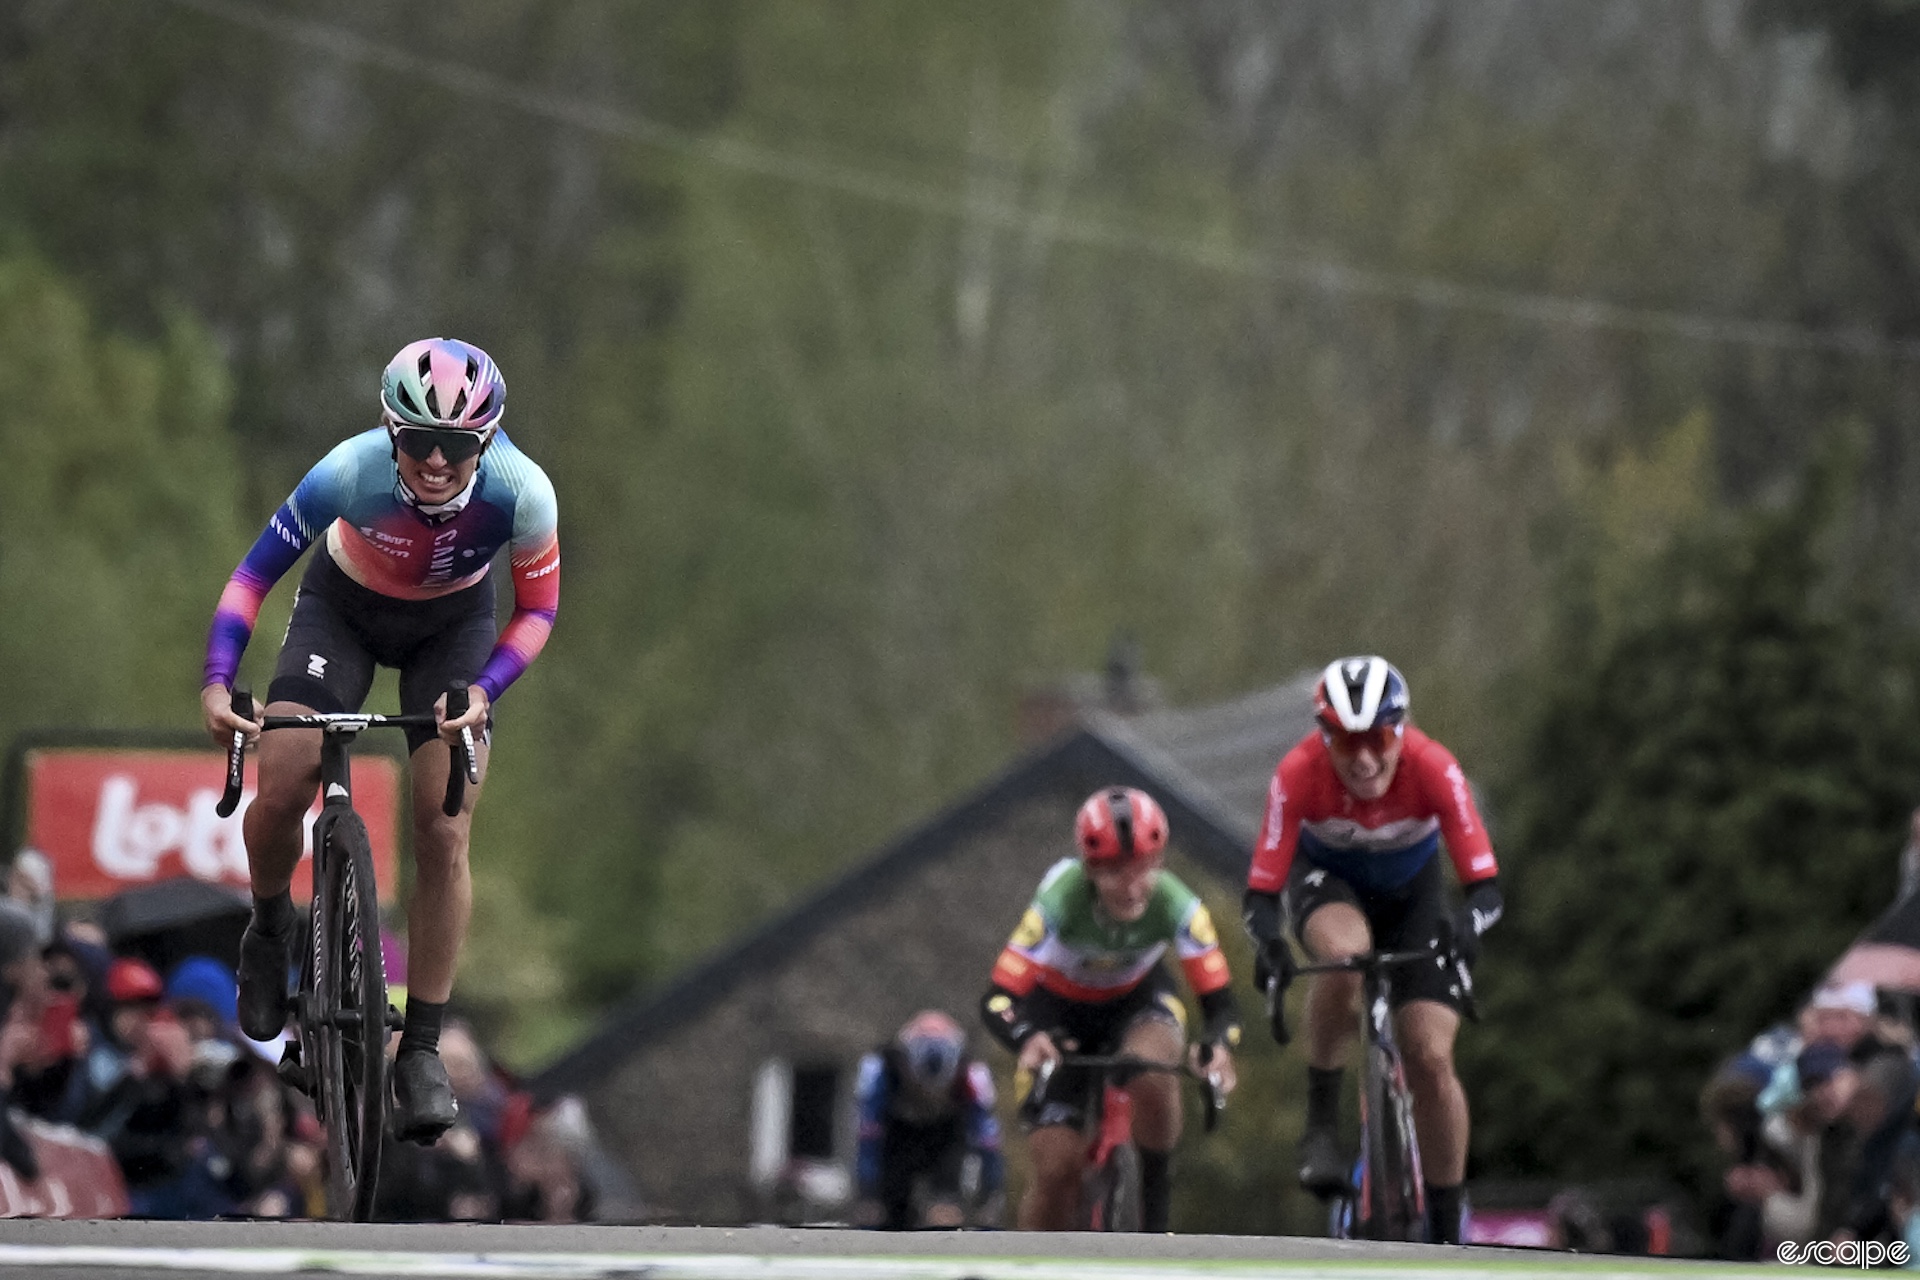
{"x":350,"y":1022}
{"x":1114,"y":1196}
{"x":1393,"y":1195}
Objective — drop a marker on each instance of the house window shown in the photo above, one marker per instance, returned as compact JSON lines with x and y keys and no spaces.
{"x":799,"y":1132}
{"x":816,"y":1095}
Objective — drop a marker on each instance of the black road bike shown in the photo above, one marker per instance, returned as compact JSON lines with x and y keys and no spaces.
{"x":1110,"y":1185}
{"x":340,"y":1013}
{"x":1386,"y":1196}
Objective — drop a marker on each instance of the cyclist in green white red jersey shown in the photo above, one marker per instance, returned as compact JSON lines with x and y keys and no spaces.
{"x":1083,"y":973}
{"x":410,"y":516}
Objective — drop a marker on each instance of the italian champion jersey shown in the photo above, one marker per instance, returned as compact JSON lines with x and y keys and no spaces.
{"x":352,"y":497}
{"x":1371,"y":844}
{"x":1067,"y":945}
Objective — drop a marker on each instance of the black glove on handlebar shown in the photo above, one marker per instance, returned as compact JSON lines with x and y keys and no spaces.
{"x":1479,"y":913}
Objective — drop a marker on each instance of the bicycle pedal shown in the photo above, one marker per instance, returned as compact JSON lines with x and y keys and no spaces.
{"x":292,"y":1070}
{"x":396,"y":1021}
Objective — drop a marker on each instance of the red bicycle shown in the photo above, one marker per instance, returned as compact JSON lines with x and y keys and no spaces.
{"x":1110,"y":1186}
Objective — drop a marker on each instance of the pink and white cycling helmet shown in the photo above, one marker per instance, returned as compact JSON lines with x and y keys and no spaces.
{"x":443,"y":384}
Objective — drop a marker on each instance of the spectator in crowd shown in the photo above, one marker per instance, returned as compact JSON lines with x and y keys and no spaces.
{"x":30,"y":883}
{"x":1862,"y":1109}
{"x":547,"y":1153}
{"x":1772,"y":1184}
{"x":146,"y":1110}
{"x":22,"y":993}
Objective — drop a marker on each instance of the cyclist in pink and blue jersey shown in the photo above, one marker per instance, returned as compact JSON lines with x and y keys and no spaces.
{"x":410,"y":515}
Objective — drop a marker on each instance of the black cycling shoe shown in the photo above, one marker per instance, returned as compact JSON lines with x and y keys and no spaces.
{"x":423,"y":1103}
{"x":264,"y":960}
{"x":1323,"y":1170}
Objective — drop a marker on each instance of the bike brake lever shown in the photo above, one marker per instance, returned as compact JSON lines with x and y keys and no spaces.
{"x":241,"y":700}
{"x":1277,"y":1011}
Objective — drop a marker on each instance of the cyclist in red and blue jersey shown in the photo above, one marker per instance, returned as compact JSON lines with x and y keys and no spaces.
{"x":410,"y":516}
{"x":1348,"y":859}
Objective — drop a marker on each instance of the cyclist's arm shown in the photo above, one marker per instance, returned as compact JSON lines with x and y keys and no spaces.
{"x":983,"y":1126}
{"x":534,"y":554}
{"x":1279,"y":832}
{"x":1198,"y":946}
{"x":1004,"y":1015}
{"x":313,"y":505}
{"x":1220,"y":1018}
{"x":870,"y":1104}
{"x":1468,"y":844}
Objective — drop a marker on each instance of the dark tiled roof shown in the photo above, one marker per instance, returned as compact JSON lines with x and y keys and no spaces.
{"x":1207,"y":766}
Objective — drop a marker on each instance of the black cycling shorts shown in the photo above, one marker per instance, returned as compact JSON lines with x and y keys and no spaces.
{"x":1094,"y":1029}
{"x":931,"y":1155}
{"x":340,"y":631}
{"x":1404,"y":919}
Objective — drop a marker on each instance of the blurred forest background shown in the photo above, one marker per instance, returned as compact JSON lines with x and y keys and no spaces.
{"x":890,"y":359}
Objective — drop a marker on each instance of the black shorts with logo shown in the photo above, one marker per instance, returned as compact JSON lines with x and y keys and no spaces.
{"x":340,"y":631}
{"x":1094,"y":1028}
{"x":1404,"y":919}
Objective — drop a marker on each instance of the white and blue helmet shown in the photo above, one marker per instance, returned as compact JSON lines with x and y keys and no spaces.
{"x":1358,"y":694}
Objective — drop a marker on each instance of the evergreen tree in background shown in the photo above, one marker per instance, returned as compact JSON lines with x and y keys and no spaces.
{"x":1713,"y":789}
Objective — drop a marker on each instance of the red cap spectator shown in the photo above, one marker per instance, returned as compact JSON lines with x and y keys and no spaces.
{"x":129,"y":980}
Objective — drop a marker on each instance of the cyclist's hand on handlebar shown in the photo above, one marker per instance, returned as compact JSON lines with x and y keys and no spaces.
{"x":1273,"y":959}
{"x":1480,"y":912}
{"x":1213,"y":1062}
{"x":475,"y":719}
{"x":216,"y":708}
{"x":1038,"y":1051}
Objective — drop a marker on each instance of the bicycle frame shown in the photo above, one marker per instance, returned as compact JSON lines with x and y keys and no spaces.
{"x":340,"y":1010}
{"x":1112,"y":1169}
{"x":1388,"y":1199}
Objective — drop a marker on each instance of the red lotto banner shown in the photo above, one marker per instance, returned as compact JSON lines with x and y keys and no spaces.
{"x":115,"y":819}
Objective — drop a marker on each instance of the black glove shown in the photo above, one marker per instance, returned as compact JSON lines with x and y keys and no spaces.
{"x":1478,"y":913}
{"x":1273,"y":972}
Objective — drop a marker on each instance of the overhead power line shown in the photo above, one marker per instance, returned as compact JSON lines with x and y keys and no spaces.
{"x":1334,"y":279}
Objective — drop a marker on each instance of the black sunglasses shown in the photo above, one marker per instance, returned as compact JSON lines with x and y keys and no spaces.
{"x":419,"y":443}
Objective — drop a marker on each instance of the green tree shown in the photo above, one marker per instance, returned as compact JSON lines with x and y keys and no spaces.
{"x":1716,"y":766}
{"x":119,"y":509}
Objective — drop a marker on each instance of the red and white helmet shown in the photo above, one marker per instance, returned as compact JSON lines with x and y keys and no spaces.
{"x":1119,"y":824}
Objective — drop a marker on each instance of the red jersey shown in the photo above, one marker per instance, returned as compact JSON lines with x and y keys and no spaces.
{"x":1371,"y":844}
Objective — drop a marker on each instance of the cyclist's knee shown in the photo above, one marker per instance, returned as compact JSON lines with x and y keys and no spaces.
{"x":440,"y":844}
{"x":1155,"y":1039}
{"x":1336,"y":931}
{"x":283,"y":798}
{"x":1429,"y":1060}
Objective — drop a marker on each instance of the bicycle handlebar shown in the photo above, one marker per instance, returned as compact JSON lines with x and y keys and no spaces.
{"x":1211,"y":1095}
{"x":465,"y":766}
{"x":1379,"y":961}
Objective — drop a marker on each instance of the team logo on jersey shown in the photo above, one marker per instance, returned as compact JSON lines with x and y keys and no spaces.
{"x":1033,"y":927}
{"x":316,"y":666}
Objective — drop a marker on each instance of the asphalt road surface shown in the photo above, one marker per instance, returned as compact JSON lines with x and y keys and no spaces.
{"x":41,"y":1249}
